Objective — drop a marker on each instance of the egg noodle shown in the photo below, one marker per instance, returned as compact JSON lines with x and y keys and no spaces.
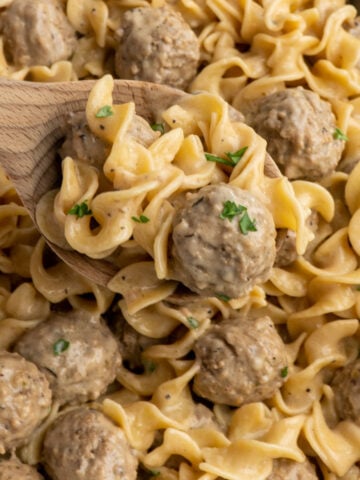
{"x":249,"y":48}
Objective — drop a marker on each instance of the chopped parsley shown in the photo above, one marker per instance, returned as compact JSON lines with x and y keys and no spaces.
{"x":154,"y":473}
{"x":150,"y":366}
{"x":340,"y":135}
{"x":158,"y":127}
{"x":193,"y":322}
{"x":246,"y":224}
{"x":80,"y":210}
{"x":141,"y":219}
{"x":60,"y":346}
{"x":223,"y":297}
{"x":104,"y":112}
{"x":233,"y":158}
{"x":284,"y":372}
{"x":231,"y":210}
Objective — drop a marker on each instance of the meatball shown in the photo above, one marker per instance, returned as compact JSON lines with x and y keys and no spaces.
{"x":347,"y":164}
{"x":223,"y":242}
{"x":285,"y":247}
{"x":346,"y":386}
{"x":132,"y":344}
{"x":241,"y":360}
{"x":284,"y":469}
{"x":25,"y":400}
{"x":286,"y":252}
{"x":299,"y":128}
{"x":37,"y":33}
{"x":83,"y":444}
{"x":157,"y":45}
{"x":353,"y":26}
{"x":77,"y":353}
{"x":14,"y":470}
{"x":80,"y":143}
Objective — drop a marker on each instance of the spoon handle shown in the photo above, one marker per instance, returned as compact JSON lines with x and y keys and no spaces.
{"x":33,"y":120}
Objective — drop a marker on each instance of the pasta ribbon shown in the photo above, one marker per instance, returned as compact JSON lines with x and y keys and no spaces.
{"x":338,"y":448}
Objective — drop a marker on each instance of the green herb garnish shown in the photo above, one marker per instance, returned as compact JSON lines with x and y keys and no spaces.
{"x":340,"y":135}
{"x":80,"y":210}
{"x":223,"y":297}
{"x":193,"y":322}
{"x":149,"y":365}
{"x":105,"y":111}
{"x":284,"y":372}
{"x":154,"y":473}
{"x":233,"y":157}
{"x":246,"y":225}
{"x":158,"y":127}
{"x":230,"y":210}
{"x":60,"y":346}
{"x":141,"y":219}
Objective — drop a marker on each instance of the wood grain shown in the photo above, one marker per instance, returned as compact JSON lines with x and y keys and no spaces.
{"x":33,"y":121}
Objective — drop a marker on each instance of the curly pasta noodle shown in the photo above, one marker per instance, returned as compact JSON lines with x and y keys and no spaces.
{"x":248,"y":49}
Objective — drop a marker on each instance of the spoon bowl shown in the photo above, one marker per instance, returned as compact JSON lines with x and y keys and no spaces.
{"x":33,"y":121}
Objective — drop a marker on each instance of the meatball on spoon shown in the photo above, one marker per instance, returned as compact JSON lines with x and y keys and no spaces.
{"x":33,"y":122}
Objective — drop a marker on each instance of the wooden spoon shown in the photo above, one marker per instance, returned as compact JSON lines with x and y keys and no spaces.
{"x":33,"y":120}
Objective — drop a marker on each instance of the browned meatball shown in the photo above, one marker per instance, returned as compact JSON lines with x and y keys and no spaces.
{"x":284,"y":469}
{"x":242,"y":361}
{"x":78,"y":354}
{"x":25,"y":400}
{"x":81,"y":144}
{"x":157,"y":45}
{"x":83,"y":444}
{"x":347,"y":164}
{"x":37,"y":32}
{"x":285,"y":247}
{"x":286,"y":242}
{"x":346,"y":386}
{"x":14,"y":470}
{"x":132,"y":344}
{"x":213,"y":253}
{"x":299,"y":128}
{"x":353,"y":26}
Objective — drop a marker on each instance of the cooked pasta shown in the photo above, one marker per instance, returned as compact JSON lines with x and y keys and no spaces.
{"x":222,"y":376}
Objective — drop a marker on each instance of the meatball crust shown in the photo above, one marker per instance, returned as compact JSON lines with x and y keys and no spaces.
{"x":157,"y":45}
{"x":285,"y":248}
{"x":299,"y":128}
{"x":353,"y":27}
{"x":14,"y":470}
{"x":80,"y":143}
{"x":285,"y":469}
{"x":346,"y":386}
{"x":25,"y":400}
{"x":88,"y":359}
{"x":132,"y":344}
{"x":37,"y":33}
{"x":210,"y":254}
{"x":241,"y":361}
{"x":83,"y":444}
